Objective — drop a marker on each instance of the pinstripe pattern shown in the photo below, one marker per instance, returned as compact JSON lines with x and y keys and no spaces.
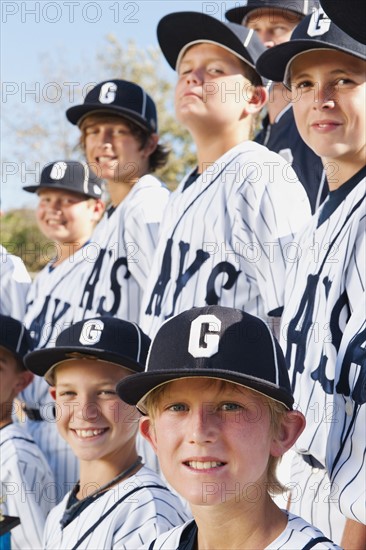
{"x":127,"y":240}
{"x":27,"y":486}
{"x":323,"y":288}
{"x":298,"y":534}
{"x":14,"y":285}
{"x":134,"y":522}
{"x":222,"y":238}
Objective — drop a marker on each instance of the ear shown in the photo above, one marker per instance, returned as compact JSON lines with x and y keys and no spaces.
{"x":292,"y":425}
{"x":23,"y":380}
{"x":98,"y":209}
{"x":52,"y":392}
{"x":257,"y":97}
{"x":151,"y":145}
{"x":147,"y":431}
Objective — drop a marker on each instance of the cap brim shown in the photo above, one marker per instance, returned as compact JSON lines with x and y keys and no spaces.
{"x":349,"y":16}
{"x":41,"y":361}
{"x":177,"y":31}
{"x":35,"y":188}
{"x":236,"y":15}
{"x":134,"y":389}
{"x":273,"y":62}
{"x":78,"y":113}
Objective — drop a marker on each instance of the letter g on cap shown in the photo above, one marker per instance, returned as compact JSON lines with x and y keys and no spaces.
{"x":204,"y":336}
{"x":91,"y":332}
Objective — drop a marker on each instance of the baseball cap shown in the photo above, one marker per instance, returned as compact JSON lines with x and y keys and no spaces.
{"x":178,"y":31}
{"x":103,"y":338}
{"x":14,"y":336}
{"x":315,"y":32}
{"x":212,"y":342}
{"x":298,"y":7}
{"x":69,"y":175}
{"x":349,"y":15}
{"x":119,"y":97}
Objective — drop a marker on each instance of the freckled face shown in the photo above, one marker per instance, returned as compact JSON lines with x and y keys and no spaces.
{"x":211,"y":440}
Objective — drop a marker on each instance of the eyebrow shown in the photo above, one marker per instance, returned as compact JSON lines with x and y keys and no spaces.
{"x":335,"y":72}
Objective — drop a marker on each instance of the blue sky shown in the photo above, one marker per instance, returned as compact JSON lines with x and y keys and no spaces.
{"x":69,"y":31}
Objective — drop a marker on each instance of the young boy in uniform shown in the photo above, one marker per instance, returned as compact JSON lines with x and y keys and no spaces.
{"x":117,"y":502}
{"x":226,"y":227}
{"x":69,"y":206}
{"x":27,"y":484}
{"x":118,"y":124}
{"x":274,"y":21}
{"x":220,"y":415}
{"x":325,"y":287}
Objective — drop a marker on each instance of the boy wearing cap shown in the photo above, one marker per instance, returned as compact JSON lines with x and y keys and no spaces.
{"x":69,"y":206}
{"x":274,"y":21}
{"x":226,"y":227}
{"x":27,"y":484}
{"x":219,"y":406}
{"x":117,"y":502}
{"x":325,"y":287}
{"x":118,"y":124}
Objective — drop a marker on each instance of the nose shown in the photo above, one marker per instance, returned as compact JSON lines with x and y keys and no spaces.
{"x":85,"y":409}
{"x":203,"y":425}
{"x":195,"y":76}
{"x":326,"y":97}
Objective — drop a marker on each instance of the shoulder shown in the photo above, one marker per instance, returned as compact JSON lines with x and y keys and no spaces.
{"x":303,"y":536}
{"x":171,"y":539}
{"x":147,"y":200}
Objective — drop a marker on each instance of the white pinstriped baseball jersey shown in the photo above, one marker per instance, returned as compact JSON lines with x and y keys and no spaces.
{"x":324,"y":286}
{"x":27,"y":486}
{"x":347,"y":436}
{"x":129,"y":515}
{"x":297,"y":534}
{"x":14,"y":285}
{"x":223,"y":239}
{"x":127,"y":239}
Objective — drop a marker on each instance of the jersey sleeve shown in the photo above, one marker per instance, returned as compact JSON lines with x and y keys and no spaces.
{"x":15,"y":283}
{"x":272,"y":208}
{"x":142,"y":227}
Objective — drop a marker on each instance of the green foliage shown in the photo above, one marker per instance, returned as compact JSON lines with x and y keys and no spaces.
{"x":20,"y":236}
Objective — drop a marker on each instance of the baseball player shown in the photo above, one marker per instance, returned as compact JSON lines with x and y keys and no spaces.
{"x":118,"y":124}
{"x":220,"y":415}
{"x":117,"y":502}
{"x":274,"y":21}
{"x":14,"y":285}
{"x":70,"y":204}
{"x":224,"y":235}
{"x":325,"y":69}
{"x":27,"y":484}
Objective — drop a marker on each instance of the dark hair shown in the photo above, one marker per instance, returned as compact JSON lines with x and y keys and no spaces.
{"x":157,"y":159}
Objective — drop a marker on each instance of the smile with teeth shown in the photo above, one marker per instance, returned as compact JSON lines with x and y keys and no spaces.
{"x":89,"y":433}
{"x":206,"y":465}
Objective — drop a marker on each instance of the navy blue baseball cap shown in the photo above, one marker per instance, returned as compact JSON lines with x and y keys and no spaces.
{"x":119,"y":97}
{"x":69,"y":175}
{"x":315,"y":32}
{"x":178,"y":31}
{"x":297,"y":7}
{"x":349,"y":15}
{"x":15,"y":337}
{"x":102,"y":338}
{"x":213,"y":342}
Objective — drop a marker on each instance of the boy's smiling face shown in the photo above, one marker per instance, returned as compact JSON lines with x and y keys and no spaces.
{"x":64,"y":216}
{"x":329,"y":102}
{"x":212,"y":90}
{"x":213,"y":441}
{"x":91,"y":417}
